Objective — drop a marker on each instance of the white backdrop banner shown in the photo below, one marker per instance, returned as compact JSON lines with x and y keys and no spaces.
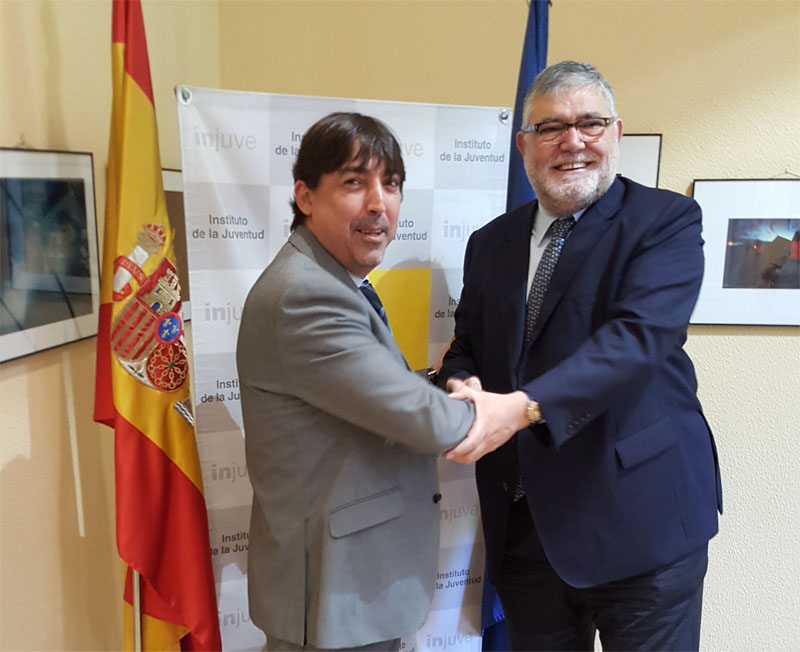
{"x":238,"y":150}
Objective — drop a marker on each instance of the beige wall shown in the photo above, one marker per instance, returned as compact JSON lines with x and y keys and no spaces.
{"x":721,"y":81}
{"x":60,"y":575}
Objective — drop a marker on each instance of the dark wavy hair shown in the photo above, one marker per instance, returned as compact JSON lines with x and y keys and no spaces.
{"x":331,"y":142}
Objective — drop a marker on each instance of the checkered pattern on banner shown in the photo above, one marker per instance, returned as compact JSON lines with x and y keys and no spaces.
{"x":238,"y":150}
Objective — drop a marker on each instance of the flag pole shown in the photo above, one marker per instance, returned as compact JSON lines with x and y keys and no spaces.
{"x":137,"y":613}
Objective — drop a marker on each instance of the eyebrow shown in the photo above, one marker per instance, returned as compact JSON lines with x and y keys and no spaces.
{"x":583,"y":116}
{"x":353,"y":166}
{"x":361,"y":168}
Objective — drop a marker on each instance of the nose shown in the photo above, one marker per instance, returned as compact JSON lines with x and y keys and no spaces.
{"x":376,"y":204}
{"x":572,"y":140}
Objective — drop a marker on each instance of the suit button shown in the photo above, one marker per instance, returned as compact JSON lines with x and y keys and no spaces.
{"x":437,"y":497}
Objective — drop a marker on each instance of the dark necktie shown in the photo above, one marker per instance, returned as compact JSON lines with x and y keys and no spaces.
{"x":541,"y":279}
{"x":374,"y":300}
{"x":559,"y":230}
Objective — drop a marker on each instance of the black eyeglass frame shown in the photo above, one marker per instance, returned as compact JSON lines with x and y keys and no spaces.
{"x":534,"y":128}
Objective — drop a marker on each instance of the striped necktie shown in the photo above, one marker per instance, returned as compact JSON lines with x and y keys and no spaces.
{"x":372,"y":296}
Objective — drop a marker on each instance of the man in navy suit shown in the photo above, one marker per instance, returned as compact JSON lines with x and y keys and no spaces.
{"x":598,"y":512}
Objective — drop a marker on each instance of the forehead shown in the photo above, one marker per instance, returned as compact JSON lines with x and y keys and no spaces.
{"x":569,"y":103}
{"x":357,"y":163}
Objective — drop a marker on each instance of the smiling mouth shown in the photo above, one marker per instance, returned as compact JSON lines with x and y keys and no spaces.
{"x":577,"y":165}
{"x":371,"y":232}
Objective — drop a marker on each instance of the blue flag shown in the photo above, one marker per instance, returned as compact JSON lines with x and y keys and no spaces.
{"x":534,"y":60}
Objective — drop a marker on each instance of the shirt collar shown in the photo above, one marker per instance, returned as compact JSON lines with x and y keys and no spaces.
{"x":357,"y":279}
{"x":542,"y":221}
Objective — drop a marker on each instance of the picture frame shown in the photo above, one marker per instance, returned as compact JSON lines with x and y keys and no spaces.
{"x":640,"y":158}
{"x":49,"y":270}
{"x":751,"y":229}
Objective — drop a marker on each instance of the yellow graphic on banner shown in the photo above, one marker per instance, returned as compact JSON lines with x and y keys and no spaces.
{"x":406,"y":295}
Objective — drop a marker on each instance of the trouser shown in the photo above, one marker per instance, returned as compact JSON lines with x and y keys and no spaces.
{"x":659,"y":610}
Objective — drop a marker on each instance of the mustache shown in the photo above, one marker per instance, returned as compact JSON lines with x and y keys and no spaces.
{"x":373,"y":222}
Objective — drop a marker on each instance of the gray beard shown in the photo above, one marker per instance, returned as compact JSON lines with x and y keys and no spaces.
{"x":561,"y":200}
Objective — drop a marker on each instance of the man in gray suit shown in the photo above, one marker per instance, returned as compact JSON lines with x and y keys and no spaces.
{"x":341,"y":437}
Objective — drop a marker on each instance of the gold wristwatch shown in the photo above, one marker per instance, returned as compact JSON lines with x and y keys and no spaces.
{"x":533,"y":413}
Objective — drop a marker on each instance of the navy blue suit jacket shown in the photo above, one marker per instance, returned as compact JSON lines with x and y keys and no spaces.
{"x":623,"y":477}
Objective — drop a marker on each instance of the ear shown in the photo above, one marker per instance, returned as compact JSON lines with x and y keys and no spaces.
{"x":521,"y":142}
{"x":618,"y":127}
{"x":303,"y":197}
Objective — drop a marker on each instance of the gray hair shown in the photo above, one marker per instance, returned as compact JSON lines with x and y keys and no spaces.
{"x":568,"y":74}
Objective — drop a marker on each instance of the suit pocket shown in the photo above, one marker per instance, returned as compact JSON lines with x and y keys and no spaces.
{"x":366,"y":512}
{"x":646,"y":443}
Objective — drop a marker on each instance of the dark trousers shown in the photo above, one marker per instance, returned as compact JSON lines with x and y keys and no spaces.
{"x":659,"y":610}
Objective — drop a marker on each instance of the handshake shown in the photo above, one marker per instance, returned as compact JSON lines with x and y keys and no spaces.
{"x":498,"y":417}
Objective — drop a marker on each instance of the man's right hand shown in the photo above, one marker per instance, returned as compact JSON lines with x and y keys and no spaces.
{"x":498,"y":417}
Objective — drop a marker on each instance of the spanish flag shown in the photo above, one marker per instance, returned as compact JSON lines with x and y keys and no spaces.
{"x":142,"y":388}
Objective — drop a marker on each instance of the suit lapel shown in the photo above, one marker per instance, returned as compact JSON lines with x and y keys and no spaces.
{"x":509,"y":281}
{"x":578,"y":246}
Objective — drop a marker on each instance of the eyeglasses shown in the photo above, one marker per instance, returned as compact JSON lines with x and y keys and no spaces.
{"x":553,"y":131}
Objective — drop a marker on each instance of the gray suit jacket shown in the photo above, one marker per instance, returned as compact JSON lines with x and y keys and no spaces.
{"x":341,"y":441}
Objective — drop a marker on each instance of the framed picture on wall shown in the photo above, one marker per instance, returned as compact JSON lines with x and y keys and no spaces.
{"x":751,"y":229}
{"x":49,"y":280}
{"x":640,"y":158}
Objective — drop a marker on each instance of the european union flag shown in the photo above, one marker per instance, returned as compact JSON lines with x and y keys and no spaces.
{"x":534,"y":60}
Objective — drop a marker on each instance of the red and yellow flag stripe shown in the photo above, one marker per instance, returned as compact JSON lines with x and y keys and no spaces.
{"x":162,"y":525}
